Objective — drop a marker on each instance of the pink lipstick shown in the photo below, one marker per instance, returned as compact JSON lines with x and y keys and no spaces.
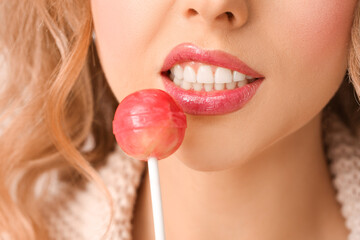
{"x":213,"y":102}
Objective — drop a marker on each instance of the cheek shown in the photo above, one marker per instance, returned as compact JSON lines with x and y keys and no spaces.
{"x":310,"y":44}
{"x":307,"y":42}
{"x":118,"y":23}
{"x":124,"y":31}
{"x":319,"y":29}
{"x":118,"y":29}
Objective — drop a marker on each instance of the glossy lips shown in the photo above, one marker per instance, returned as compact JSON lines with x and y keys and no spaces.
{"x":214,"y":102}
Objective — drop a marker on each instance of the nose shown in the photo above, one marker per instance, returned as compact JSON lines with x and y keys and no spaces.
{"x":219,"y":13}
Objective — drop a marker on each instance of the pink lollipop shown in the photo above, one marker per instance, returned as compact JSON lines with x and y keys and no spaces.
{"x":150,"y":125}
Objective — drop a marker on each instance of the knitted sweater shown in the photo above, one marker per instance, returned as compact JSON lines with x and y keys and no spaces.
{"x":82,"y":213}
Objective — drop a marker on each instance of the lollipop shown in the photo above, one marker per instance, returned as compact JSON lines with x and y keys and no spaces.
{"x":149,"y":125}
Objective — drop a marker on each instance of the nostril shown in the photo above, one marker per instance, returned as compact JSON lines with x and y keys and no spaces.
{"x":191,"y":12}
{"x":230,"y":16}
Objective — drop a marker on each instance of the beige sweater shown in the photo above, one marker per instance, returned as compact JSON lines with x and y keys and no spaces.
{"x":82,"y":213}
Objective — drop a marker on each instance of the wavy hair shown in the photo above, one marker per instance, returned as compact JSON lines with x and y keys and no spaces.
{"x":54,"y":94}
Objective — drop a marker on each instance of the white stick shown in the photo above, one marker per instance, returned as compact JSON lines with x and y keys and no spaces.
{"x":156,"y":198}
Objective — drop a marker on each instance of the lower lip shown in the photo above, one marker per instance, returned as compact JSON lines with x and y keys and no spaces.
{"x":214,"y":102}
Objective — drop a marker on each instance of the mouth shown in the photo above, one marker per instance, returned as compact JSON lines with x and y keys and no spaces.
{"x":208,"y":82}
{"x":203,"y":77}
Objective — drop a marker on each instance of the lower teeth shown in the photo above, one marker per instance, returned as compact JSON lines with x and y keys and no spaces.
{"x":210,"y":86}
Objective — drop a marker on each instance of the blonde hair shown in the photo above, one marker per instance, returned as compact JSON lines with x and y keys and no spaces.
{"x":54,"y":95}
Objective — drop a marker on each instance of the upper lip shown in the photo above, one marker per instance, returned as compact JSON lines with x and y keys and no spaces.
{"x":189,"y":52}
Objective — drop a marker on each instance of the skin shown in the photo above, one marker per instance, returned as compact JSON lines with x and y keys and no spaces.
{"x":257,"y":173}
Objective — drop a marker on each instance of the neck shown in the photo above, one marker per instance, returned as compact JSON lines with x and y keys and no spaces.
{"x":283,"y":193}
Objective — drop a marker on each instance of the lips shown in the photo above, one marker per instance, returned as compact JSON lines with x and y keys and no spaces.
{"x":213,"y":102}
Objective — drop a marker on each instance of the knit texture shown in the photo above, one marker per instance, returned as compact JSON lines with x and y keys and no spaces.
{"x":82,"y":213}
{"x":344,"y":155}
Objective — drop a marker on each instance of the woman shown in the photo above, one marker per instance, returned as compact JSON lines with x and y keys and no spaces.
{"x":256,"y":170}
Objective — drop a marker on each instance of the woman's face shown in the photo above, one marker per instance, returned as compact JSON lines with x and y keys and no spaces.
{"x":300,"y":47}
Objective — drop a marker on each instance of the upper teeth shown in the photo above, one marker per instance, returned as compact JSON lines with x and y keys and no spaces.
{"x":186,"y":77}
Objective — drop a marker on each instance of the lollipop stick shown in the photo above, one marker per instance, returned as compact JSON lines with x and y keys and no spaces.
{"x":156,"y":198}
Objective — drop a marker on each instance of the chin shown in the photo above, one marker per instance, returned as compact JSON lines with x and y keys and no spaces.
{"x":205,"y":161}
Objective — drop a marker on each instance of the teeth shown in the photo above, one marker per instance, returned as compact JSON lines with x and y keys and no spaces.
{"x":178,"y":71}
{"x":205,"y":74}
{"x":189,"y":74}
{"x":241,"y":83}
{"x":172,"y":76}
{"x":208,"y":87}
{"x":219,"y":86}
{"x":186,"y":85}
{"x":205,"y":79}
{"x":231,"y":85}
{"x":197,"y":86}
{"x":177,"y":81}
{"x":238,"y":76}
{"x":223,"y":75}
